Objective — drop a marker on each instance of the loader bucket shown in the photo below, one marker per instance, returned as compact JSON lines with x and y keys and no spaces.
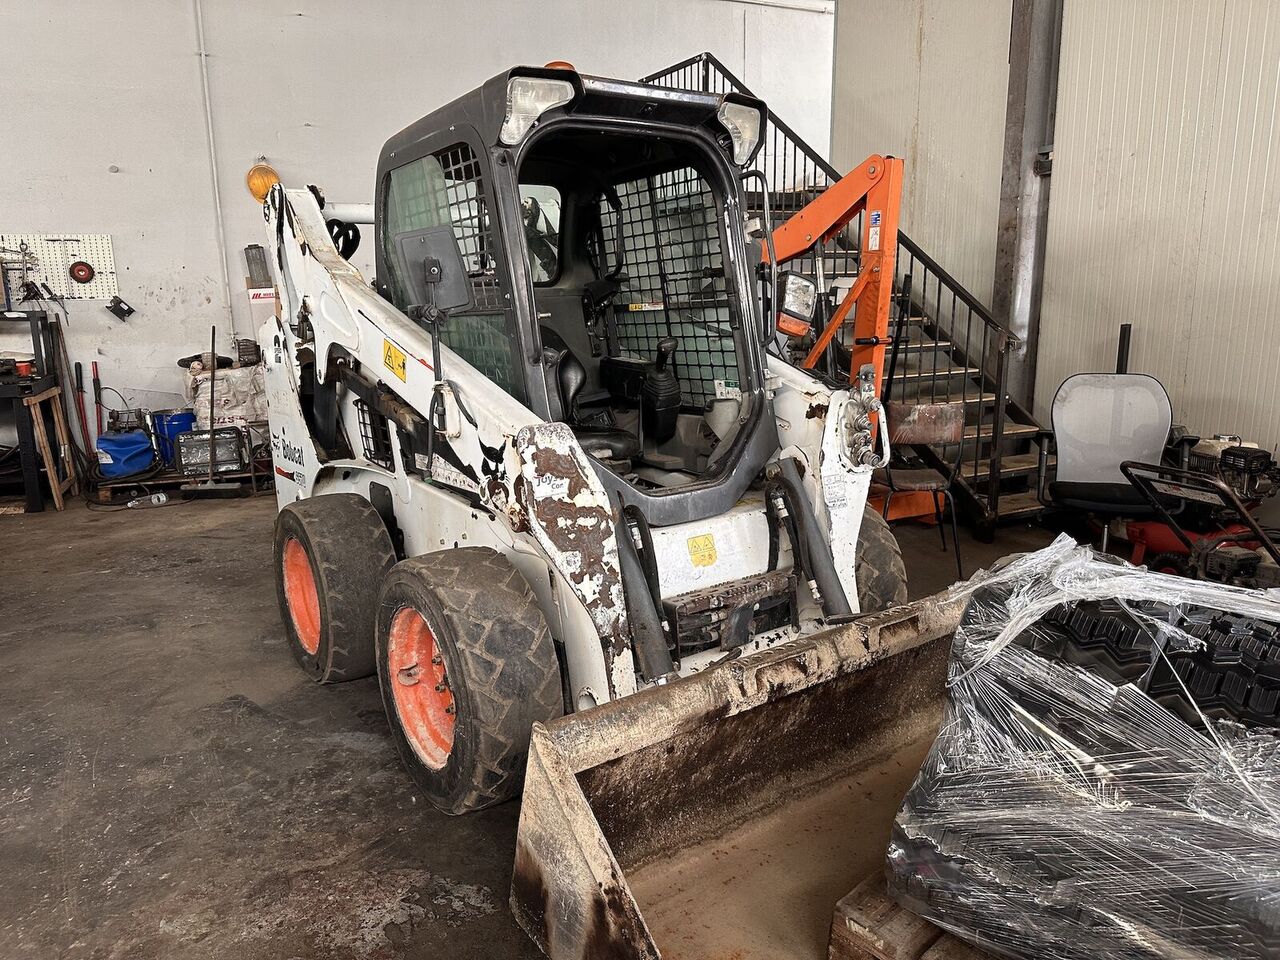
{"x":723,"y":815}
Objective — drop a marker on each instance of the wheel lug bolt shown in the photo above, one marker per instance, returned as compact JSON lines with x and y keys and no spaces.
{"x":451,"y":709}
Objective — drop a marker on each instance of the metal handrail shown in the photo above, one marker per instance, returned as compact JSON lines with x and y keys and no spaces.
{"x":986,"y":349}
{"x":709,"y":59}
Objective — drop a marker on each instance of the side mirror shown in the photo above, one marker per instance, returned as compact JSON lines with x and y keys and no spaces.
{"x":797,"y":302}
{"x":433,"y":271}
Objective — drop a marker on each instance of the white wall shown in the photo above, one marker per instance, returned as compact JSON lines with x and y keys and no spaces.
{"x":1165,"y":210}
{"x":927,"y":80}
{"x":316,"y":86}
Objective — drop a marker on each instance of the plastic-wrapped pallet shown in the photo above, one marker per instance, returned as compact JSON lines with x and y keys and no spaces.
{"x":1066,"y":813}
{"x":240,"y":396}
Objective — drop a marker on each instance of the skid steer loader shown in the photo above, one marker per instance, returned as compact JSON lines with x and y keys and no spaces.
{"x":553,"y":461}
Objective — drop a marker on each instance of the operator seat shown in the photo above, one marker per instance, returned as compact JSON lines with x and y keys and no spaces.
{"x":603,"y":443}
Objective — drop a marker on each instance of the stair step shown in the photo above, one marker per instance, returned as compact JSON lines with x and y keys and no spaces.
{"x":924,"y":398}
{"x":983,"y":432}
{"x":942,"y":373}
{"x":1013,"y":465}
{"x":1019,"y":505}
{"x":923,"y":346}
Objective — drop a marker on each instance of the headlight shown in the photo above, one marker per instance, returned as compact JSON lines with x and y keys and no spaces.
{"x":528,"y":98}
{"x":799,"y":295}
{"x":743,"y":123}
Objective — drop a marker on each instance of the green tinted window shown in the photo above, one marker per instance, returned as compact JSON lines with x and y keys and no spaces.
{"x":445,"y":189}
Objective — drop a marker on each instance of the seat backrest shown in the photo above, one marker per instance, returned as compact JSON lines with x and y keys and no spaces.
{"x":1100,"y":420}
{"x":570,"y":374}
{"x":925,"y":424}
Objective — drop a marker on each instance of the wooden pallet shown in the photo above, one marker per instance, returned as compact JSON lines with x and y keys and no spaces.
{"x":869,"y":925}
{"x":110,"y":491}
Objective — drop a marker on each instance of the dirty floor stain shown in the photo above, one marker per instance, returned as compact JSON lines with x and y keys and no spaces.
{"x":172,"y":786}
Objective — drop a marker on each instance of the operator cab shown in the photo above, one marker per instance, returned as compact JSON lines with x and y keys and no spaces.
{"x":596,"y":229}
{"x":642,"y":341}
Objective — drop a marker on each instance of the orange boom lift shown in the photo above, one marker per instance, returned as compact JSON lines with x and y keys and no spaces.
{"x":873,"y":188}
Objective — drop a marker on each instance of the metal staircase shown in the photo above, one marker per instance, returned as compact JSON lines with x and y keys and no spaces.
{"x":949,"y":349}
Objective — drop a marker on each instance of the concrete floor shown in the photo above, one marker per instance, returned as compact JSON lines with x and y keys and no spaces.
{"x":171,"y":785}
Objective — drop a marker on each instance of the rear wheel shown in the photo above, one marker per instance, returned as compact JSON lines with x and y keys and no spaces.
{"x":1173,"y":563}
{"x":878,"y":567}
{"x":331,"y":553}
{"x":467,"y":666}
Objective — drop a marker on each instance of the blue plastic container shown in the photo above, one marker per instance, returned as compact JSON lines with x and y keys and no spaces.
{"x":168,"y":424}
{"x":122,"y":454}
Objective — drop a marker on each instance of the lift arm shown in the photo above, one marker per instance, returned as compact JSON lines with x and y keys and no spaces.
{"x":873,"y":187}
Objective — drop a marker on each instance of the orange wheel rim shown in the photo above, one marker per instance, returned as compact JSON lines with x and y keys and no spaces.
{"x":302,"y":596}
{"x":420,"y":688}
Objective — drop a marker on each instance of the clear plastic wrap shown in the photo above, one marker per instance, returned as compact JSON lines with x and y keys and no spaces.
{"x":1108,"y":811}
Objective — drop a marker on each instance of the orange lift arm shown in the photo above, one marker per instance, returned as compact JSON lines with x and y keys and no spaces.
{"x":873,"y":187}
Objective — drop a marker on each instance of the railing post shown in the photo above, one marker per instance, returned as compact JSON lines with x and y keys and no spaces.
{"x":997,"y":427}
{"x":706,"y":74}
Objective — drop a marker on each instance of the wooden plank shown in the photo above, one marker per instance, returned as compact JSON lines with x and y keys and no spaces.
{"x":72,"y":476}
{"x":953,"y":948}
{"x":42,"y":444}
{"x":868,"y":923}
{"x":1010,"y":465}
{"x":972,"y":432}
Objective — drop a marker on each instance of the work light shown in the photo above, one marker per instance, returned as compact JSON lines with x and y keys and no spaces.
{"x":743,"y":123}
{"x":528,"y":98}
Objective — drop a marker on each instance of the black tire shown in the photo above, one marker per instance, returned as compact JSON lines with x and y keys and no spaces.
{"x":1175,"y":563}
{"x":1234,"y":676}
{"x":346,"y":550}
{"x":496,"y":668}
{"x":878,"y":567}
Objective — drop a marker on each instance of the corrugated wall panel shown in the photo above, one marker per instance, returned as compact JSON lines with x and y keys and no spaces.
{"x":927,"y":80}
{"x":1165,"y":210}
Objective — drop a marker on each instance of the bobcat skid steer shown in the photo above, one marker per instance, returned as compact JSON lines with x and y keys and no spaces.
{"x":550,"y":464}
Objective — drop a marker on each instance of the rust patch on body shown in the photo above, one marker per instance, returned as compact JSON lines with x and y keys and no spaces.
{"x":568,"y":512}
{"x":817,"y":411}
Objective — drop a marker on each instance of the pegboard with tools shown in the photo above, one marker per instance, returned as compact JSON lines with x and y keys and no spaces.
{"x":75,"y":266}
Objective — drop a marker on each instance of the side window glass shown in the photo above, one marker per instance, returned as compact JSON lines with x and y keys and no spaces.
{"x":540,"y":211}
{"x":445,"y":188}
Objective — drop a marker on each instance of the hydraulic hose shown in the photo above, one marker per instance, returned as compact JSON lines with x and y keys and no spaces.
{"x":647,"y":637}
{"x":819,"y":562}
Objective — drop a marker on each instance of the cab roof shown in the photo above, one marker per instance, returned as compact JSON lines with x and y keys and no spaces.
{"x":485,"y":107}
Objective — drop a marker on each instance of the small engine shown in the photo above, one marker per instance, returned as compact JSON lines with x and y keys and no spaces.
{"x":1246,"y":468}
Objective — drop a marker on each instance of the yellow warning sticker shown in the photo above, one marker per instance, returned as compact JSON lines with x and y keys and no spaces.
{"x":702,"y":550}
{"x":393,"y":358}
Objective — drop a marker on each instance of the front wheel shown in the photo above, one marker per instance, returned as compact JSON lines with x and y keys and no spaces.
{"x":878,"y":568}
{"x":331,"y":552}
{"x":467,"y":666}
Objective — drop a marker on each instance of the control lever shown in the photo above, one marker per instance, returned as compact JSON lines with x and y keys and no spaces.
{"x":660,"y":395}
{"x":666,"y":350}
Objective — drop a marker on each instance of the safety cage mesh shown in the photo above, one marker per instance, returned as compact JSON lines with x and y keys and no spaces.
{"x":675,"y":279}
{"x":445,"y":189}
{"x":375,"y":436}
